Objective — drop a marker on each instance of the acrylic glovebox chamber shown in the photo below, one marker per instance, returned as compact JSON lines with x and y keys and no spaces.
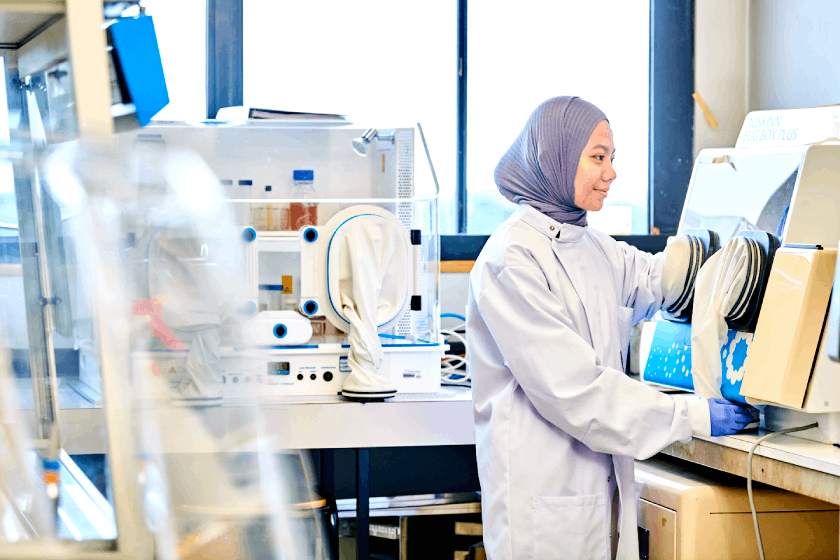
{"x":251,"y":205}
{"x":788,"y":192}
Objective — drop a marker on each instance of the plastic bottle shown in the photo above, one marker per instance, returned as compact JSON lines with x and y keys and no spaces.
{"x":258,"y":215}
{"x":303,"y":213}
{"x":270,"y":218}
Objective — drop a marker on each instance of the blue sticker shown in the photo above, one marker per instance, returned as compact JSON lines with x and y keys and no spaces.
{"x":343,"y":366}
{"x":669,"y":359}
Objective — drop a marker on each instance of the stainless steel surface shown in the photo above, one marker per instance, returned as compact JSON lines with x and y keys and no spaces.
{"x":47,"y":406}
{"x":424,"y":504}
{"x":72,"y":394}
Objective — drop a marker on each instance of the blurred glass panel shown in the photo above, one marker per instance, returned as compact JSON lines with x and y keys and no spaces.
{"x":167,"y":271}
{"x":143,"y":263}
{"x":24,"y":507}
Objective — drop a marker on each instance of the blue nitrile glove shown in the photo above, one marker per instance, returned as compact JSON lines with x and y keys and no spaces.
{"x":727,"y":417}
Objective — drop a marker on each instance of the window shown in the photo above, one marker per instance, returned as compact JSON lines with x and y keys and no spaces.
{"x":383,"y":63}
{"x":519,"y":57}
{"x":9,"y":109}
{"x":181,"y":30}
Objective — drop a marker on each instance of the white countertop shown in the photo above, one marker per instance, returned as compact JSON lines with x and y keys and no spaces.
{"x":786,"y":448}
{"x":443,"y":418}
{"x":406,"y":420}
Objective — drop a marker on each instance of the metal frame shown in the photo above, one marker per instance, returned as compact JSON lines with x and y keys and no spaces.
{"x":671,"y":111}
{"x":461,"y":178}
{"x":87,"y":43}
{"x":91,"y":80}
{"x":224,"y":55}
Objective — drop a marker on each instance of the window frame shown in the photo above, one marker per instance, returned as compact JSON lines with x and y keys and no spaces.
{"x":225,"y":54}
{"x":670,"y":126}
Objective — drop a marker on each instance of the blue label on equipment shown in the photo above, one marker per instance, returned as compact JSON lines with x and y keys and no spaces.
{"x":669,"y":359}
{"x":733,"y":355}
{"x":343,"y":366}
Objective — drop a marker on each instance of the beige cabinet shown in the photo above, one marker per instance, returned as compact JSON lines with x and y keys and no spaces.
{"x":688,"y":512}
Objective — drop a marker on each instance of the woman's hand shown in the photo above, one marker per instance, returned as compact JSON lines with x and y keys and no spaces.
{"x":728,"y":418}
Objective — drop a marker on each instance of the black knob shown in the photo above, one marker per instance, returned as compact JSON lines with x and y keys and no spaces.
{"x":313,"y":377}
{"x":328,"y":376}
{"x":300,"y":376}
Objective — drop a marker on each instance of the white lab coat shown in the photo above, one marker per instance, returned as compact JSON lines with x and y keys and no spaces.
{"x":548,"y":322}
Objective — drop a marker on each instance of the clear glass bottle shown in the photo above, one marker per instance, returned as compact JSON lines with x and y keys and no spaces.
{"x":302,"y":212}
{"x":270,"y":224}
{"x":258,"y":214}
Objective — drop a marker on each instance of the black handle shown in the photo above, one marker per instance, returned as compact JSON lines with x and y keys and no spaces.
{"x":644,"y":543}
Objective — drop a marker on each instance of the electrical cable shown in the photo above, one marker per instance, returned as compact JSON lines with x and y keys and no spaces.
{"x":451,"y":366}
{"x":749,"y":477}
{"x":451,"y":363}
{"x":453,"y":316}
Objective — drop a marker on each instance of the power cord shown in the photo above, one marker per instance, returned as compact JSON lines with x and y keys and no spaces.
{"x":450,"y":369}
{"x":749,"y":476}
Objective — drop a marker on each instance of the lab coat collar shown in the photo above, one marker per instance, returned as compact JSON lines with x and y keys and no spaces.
{"x":565,"y":233}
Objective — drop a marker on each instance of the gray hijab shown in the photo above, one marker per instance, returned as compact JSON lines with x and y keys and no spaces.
{"x":539,"y":168}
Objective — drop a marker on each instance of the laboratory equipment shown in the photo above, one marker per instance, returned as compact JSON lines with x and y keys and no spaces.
{"x":698,"y":514}
{"x":169,"y":260}
{"x":685,"y":254}
{"x":362,"y":143}
{"x":788,"y":333}
{"x":384,"y":202}
{"x":729,"y":292}
{"x":54,"y":353}
{"x":775,"y":209}
{"x":278,"y":328}
{"x":83,"y":294}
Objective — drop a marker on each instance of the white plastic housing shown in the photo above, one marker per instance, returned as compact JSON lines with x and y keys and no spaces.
{"x":277,"y":328}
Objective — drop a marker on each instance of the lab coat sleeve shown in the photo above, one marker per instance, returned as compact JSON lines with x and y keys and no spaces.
{"x":561,"y":376}
{"x":642,"y":281}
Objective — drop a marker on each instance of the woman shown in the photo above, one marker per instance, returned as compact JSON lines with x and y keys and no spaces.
{"x":558,"y":423}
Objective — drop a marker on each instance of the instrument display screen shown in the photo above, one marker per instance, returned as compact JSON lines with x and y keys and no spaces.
{"x":278,"y":368}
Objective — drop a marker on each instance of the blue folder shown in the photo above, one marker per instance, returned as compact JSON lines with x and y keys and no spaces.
{"x":137,"y":61}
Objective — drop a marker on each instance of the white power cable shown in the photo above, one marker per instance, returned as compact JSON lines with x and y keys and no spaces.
{"x":749,"y":477}
{"x":450,"y":369}
{"x":450,"y":366}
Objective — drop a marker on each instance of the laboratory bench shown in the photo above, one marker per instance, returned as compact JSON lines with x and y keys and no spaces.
{"x":403,"y":434}
{"x":795,"y":464}
{"x":351,"y":432}
{"x":787,"y":462}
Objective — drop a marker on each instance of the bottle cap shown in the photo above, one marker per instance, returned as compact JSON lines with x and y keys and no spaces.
{"x":303,"y":174}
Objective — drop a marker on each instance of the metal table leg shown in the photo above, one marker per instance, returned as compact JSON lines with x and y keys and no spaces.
{"x":363,"y":504}
{"x":327,"y":491}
